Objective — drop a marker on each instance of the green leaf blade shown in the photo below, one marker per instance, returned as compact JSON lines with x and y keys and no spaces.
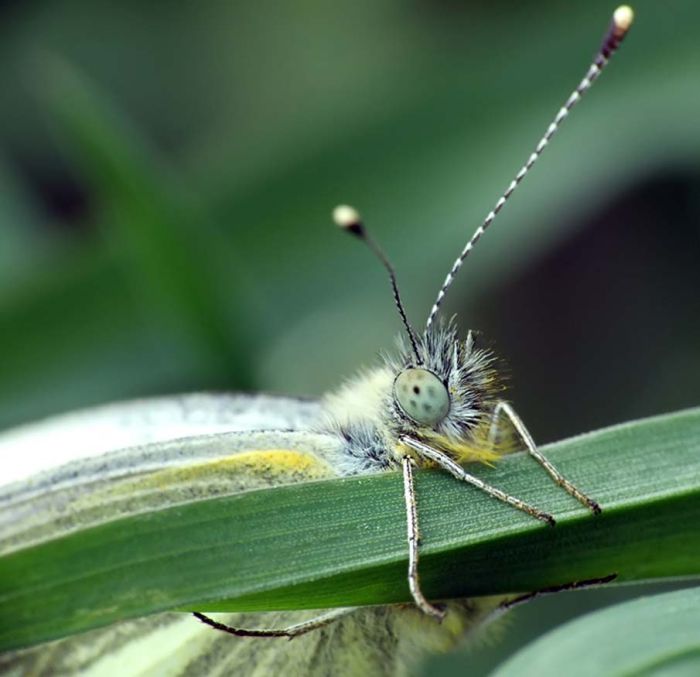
{"x":653,"y":635}
{"x":342,"y":542}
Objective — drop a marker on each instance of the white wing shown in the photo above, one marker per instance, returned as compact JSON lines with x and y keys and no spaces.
{"x":51,"y":443}
{"x":77,"y":470}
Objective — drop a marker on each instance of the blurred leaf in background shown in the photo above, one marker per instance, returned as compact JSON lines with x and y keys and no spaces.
{"x":168,"y":172}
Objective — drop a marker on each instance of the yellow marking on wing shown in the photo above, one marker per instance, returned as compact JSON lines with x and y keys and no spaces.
{"x":116,"y":497}
{"x":242,"y":471}
{"x":279,"y":461}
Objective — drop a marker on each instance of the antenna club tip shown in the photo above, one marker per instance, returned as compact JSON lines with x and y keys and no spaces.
{"x":346,"y":217}
{"x":623,"y":18}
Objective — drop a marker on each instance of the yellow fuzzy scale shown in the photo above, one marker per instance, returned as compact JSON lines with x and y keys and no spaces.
{"x":477,"y":450}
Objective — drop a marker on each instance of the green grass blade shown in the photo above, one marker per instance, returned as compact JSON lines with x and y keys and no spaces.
{"x":162,"y":232}
{"x":652,"y":635}
{"x":342,"y":542}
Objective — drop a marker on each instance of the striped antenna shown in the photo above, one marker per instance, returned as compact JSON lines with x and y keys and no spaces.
{"x":349,"y":220}
{"x":620,"y":24}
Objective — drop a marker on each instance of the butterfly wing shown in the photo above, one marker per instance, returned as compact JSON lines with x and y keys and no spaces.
{"x":35,"y":448}
{"x":180,"y":455}
{"x":150,"y":454}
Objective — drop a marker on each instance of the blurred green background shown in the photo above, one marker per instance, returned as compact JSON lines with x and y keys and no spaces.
{"x":168,"y":172}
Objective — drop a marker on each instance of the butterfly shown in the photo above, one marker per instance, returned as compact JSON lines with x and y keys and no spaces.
{"x":436,"y":402}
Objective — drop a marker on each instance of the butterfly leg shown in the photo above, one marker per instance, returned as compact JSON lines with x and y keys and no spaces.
{"x":504,"y":409}
{"x":574,"y":585}
{"x":290,"y":632}
{"x":512,"y":602}
{"x":414,"y":541}
{"x":456,"y":470}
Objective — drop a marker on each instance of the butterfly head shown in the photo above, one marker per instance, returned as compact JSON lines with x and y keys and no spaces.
{"x":445,"y":389}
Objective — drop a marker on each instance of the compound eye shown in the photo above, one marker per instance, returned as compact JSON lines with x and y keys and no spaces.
{"x":422,"y":396}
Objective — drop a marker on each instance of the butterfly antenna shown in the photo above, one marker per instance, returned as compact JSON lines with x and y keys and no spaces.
{"x":349,"y":220}
{"x":620,"y":24}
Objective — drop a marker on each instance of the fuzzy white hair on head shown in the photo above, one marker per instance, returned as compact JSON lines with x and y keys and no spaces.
{"x":468,"y":372}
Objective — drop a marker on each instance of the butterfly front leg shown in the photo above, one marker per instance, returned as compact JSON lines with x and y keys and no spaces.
{"x":504,"y":410}
{"x":443,"y":461}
